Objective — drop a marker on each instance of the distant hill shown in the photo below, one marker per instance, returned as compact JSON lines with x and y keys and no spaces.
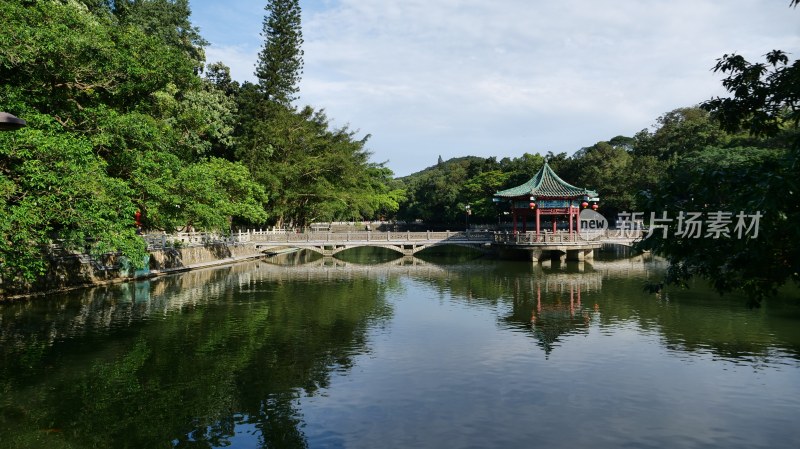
{"x":445,"y":165}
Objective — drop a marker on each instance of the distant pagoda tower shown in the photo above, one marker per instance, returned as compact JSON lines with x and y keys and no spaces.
{"x":547,"y":194}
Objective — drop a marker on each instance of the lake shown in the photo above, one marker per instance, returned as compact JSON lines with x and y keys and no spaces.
{"x":373,"y":352}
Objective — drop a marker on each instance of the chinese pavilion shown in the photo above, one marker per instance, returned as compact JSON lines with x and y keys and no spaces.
{"x":547,"y":194}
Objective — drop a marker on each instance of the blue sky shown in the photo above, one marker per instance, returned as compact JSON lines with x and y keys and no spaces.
{"x":471,"y":77}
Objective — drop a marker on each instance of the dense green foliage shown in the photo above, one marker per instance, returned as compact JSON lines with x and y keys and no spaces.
{"x":120,"y":119}
{"x":751,"y":175}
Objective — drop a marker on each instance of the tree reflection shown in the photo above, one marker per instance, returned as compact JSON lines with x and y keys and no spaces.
{"x":550,"y":302}
{"x":230,"y":349}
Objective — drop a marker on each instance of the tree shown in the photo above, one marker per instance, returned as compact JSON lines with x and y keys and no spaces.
{"x":437,"y":194}
{"x":606,"y":168}
{"x":748,"y":181}
{"x":766,"y":97}
{"x":521,"y":169}
{"x":678,"y":133}
{"x":219,"y":75}
{"x":478,"y":191}
{"x":312,"y":171}
{"x":55,"y":190}
{"x":94,"y":65}
{"x":118,"y":121}
{"x":173,"y":195}
{"x":280,"y":62}
{"x":167,"y":20}
{"x":763,"y":181}
{"x":200,"y":119}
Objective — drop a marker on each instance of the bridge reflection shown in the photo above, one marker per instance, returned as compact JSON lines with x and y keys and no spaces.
{"x":642,"y":265}
{"x":521,"y":284}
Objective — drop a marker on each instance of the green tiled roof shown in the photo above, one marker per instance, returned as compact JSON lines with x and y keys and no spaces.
{"x":546,"y":184}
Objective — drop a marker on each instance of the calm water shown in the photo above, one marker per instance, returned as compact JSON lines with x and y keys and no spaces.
{"x":401,"y":354}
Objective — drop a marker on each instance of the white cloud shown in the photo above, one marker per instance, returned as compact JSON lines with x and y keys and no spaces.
{"x":456,"y":77}
{"x":241,"y":59}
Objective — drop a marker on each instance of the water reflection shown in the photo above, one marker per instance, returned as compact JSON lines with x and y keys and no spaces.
{"x":183,"y":359}
{"x":551,"y":300}
{"x":229,"y":356}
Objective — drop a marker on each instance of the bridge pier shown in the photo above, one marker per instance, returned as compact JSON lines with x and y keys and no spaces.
{"x":580,"y":254}
{"x":555,"y":252}
{"x":534,"y":254}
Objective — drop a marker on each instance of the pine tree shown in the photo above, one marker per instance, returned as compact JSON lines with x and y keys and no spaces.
{"x":280,"y":62}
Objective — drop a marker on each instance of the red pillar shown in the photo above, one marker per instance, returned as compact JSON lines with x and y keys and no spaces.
{"x":576,"y":215}
{"x":555,"y":220}
{"x":537,"y":222}
{"x":514,"y":215}
{"x":570,"y":220}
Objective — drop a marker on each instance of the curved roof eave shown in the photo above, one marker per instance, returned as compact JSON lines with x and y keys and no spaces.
{"x":546,"y":183}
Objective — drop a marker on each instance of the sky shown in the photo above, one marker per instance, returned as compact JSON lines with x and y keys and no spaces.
{"x":450,"y":78}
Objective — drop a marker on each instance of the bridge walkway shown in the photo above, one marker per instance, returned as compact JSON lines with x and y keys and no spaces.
{"x":407,"y":243}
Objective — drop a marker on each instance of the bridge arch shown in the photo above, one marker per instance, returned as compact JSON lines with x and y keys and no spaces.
{"x":476,"y":246}
{"x":405,"y":248}
{"x":338,"y":249}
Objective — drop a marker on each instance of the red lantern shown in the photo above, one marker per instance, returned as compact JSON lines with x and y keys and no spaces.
{"x":533,"y":205}
{"x":584,"y":204}
{"x":595,"y":206}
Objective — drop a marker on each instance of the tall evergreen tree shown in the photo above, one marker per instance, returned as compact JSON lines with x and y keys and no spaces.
{"x":280,"y":62}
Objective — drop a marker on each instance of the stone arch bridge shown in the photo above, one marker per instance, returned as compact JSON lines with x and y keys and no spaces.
{"x":405,"y":243}
{"x":557,"y":245}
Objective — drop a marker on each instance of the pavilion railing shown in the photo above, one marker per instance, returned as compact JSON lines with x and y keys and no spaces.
{"x":522,"y":238}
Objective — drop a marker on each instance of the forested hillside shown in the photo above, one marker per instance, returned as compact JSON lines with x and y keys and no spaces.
{"x":624,"y":170}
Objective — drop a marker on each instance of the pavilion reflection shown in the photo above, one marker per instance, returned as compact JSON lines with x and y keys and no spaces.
{"x":551,"y":320}
{"x":552,"y":305}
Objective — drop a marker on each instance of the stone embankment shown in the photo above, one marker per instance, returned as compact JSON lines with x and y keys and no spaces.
{"x":71,"y":271}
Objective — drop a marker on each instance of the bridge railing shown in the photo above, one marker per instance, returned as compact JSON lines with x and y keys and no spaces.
{"x":624,"y":234}
{"x":372,"y":236}
{"x":188,"y":239}
{"x":192,"y":239}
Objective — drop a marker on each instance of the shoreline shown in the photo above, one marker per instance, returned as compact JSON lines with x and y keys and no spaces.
{"x":175,"y":266}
